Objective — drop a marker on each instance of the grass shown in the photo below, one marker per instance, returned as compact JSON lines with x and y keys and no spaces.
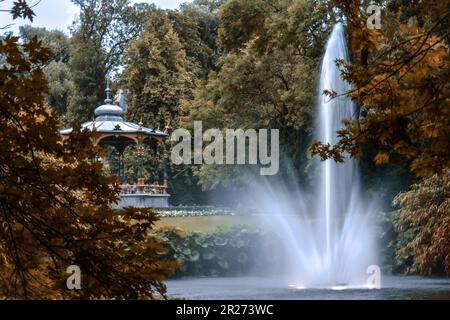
{"x":206,"y":223}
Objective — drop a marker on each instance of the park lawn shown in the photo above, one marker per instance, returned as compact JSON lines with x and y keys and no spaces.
{"x":207,"y":224}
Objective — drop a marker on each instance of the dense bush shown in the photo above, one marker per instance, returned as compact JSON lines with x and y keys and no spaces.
{"x":236,"y":251}
{"x":423,"y":226}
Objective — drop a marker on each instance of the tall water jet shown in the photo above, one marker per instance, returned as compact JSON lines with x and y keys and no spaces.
{"x":339,"y":182}
{"x":330,"y":242}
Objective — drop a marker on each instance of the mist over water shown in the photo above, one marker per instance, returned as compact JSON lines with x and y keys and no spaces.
{"x":330,"y":241}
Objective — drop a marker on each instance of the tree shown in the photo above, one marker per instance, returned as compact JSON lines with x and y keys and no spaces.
{"x":266,"y":79}
{"x":197,"y":52}
{"x":99,"y":39}
{"x":55,"y":40}
{"x":156,"y":74}
{"x":55,"y":204}
{"x":111,"y":25}
{"x":424,"y":223}
{"x":158,"y":77}
{"x":206,"y":15}
{"x":60,"y":86}
{"x":400,"y":81}
{"x":88,"y":75}
{"x":57,"y":72}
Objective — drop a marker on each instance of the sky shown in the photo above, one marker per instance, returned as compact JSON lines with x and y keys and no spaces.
{"x":59,"y":14}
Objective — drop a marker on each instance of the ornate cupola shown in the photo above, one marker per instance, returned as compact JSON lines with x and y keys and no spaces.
{"x":108,"y":111}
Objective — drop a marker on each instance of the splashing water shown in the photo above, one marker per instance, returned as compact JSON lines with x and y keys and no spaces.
{"x":330,"y":242}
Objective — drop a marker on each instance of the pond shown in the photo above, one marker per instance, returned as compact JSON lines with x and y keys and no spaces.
{"x":256,"y":288}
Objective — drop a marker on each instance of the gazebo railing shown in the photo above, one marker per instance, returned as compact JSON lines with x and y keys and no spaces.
{"x":141,"y":188}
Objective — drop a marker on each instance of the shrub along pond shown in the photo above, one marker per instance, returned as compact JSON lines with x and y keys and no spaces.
{"x":213,"y":241}
{"x":237,"y":250}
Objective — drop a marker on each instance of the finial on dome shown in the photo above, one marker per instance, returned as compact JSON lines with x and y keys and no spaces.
{"x":108,"y":91}
{"x":108,"y":111}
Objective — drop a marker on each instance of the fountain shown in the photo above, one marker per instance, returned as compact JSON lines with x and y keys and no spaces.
{"x":325,"y":244}
{"x":329,"y":244}
{"x":345,"y":250}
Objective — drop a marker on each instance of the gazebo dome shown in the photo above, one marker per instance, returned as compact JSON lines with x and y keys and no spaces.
{"x":108,"y":112}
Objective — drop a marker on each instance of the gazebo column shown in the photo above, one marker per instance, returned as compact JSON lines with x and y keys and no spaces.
{"x":120,"y":149}
{"x":140,"y":153}
{"x":120,"y":167}
{"x":140,"y":174}
{"x":165,"y":176}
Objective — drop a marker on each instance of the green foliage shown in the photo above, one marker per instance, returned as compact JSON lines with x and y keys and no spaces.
{"x":158,"y":76}
{"x":111,"y":25}
{"x":88,"y":74}
{"x":54,"y":40}
{"x":156,"y":73}
{"x":197,"y":51}
{"x":266,"y":79}
{"x":184,"y":187}
{"x":99,"y":39}
{"x":382,"y":182}
{"x":61,"y":86}
{"x":206,"y":14}
{"x":388,"y":238}
{"x":57,"y":72}
{"x":236,"y":251}
{"x":423,"y":223}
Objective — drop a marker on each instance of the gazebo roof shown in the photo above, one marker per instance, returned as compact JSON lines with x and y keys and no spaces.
{"x":116,"y":127}
{"x":109,"y":120}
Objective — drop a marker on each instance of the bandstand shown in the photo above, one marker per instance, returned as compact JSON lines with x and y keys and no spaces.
{"x":112,"y":130}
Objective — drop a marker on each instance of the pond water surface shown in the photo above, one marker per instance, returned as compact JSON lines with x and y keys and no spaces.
{"x":255,"y":288}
